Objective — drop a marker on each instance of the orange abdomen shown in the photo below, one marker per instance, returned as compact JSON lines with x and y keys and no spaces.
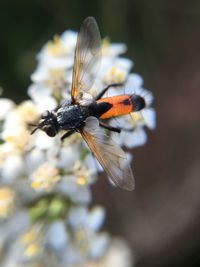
{"x":121,"y":105}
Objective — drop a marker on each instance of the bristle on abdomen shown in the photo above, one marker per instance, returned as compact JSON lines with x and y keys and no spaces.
{"x":138,"y":102}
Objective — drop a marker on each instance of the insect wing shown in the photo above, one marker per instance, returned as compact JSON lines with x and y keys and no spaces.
{"x":111,"y":157}
{"x":87,"y":58}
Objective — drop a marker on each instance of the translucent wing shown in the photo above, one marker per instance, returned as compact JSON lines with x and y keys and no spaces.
{"x":111,"y":157}
{"x":87,"y":58}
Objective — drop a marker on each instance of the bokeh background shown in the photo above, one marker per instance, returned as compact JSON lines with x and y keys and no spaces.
{"x":161,"y":219}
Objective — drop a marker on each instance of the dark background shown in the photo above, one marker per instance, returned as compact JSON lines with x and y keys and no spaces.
{"x":161,"y":218}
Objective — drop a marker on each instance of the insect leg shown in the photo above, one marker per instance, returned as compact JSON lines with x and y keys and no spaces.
{"x":127,"y":129}
{"x":106,"y":89}
{"x":67,"y":134}
{"x":115,"y":129}
{"x":111,"y":128}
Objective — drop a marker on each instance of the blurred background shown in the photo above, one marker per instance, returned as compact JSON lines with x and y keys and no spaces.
{"x":161,"y":218}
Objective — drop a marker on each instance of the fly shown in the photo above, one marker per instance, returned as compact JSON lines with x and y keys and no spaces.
{"x":86,"y":116}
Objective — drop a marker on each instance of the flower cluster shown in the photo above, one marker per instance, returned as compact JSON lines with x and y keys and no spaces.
{"x":45,"y":219}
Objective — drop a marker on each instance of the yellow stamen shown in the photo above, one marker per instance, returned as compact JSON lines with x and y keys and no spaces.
{"x":45,"y":177}
{"x":82,"y":181}
{"x":56,"y":47}
{"x":114,"y":75}
{"x":7,"y":200}
{"x":32,"y":250}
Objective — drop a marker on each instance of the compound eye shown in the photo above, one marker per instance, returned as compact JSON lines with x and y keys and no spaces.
{"x":49,"y":130}
{"x":45,"y":114}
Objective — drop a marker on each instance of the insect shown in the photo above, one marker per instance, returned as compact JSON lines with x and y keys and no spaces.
{"x":87,"y":116}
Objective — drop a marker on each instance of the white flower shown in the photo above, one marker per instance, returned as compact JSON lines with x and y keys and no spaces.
{"x":115,"y":70}
{"x":135,"y":138}
{"x":6,"y":106}
{"x":18,"y":137}
{"x":69,"y":38}
{"x":54,"y":54}
{"x":49,"y":179}
{"x":96,"y":218}
{"x":41,"y":96}
{"x":7,"y":201}
{"x":134,"y":134}
{"x":91,"y":221}
{"x":34,"y":159}
{"x":149,"y":116}
{"x":79,"y":194}
{"x":44,"y":142}
{"x":86,"y":224}
{"x":99,"y":245}
{"x":12,"y":168}
{"x":92,"y":164}
{"x":114,"y":49}
{"x":28,"y":112}
{"x":10,"y":230}
{"x":118,"y":255}
{"x":77,"y":218}
{"x":134,"y":83}
{"x":57,"y":236}
{"x":45,"y":177}
{"x":68,"y":156}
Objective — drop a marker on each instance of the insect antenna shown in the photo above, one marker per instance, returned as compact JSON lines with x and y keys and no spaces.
{"x":35,"y":129}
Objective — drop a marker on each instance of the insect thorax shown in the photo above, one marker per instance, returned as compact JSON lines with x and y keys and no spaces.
{"x":71,"y":117}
